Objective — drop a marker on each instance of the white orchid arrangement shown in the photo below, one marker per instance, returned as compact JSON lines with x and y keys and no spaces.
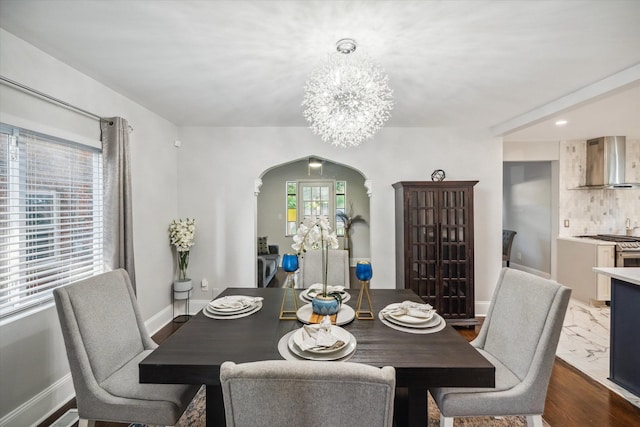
{"x":182,"y":234}
{"x":315,"y":233}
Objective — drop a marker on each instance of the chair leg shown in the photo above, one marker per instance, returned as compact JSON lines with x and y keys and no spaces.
{"x":534,"y":421}
{"x":83,"y":422}
{"x":446,"y":421}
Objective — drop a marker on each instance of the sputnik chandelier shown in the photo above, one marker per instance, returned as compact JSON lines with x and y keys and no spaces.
{"x":347,"y":99}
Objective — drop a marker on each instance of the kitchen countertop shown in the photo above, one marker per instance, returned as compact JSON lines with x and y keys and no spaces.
{"x":586,"y":240}
{"x":626,"y":274}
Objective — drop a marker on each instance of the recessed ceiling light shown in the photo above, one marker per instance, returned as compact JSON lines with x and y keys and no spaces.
{"x":561,"y":122}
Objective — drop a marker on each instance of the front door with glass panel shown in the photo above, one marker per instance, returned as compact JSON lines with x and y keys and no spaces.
{"x":317,"y":198}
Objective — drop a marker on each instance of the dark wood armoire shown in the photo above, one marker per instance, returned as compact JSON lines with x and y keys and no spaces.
{"x":434,"y":245}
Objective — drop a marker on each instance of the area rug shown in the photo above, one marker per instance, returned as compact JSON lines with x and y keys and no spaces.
{"x":194,"y":416}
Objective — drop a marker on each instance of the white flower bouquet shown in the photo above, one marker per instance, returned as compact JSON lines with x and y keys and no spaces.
{"x":315,"y":233}
{"x":182,"y":234}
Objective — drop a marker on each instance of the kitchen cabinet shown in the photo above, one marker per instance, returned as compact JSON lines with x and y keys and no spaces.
{"x":625,"y":334}
{"x":576,"y":259}
{"x":434,"y":245}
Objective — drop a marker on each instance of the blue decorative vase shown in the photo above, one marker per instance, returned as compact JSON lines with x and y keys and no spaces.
{"x":364,"y":271}
{"x":325,"y":306}
{"x":290,"y":262}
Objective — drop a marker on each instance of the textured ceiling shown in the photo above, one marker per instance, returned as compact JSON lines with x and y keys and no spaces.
{"x":244,"y":63}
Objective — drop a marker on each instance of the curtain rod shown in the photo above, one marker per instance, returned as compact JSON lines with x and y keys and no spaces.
{"x":50,"y":98}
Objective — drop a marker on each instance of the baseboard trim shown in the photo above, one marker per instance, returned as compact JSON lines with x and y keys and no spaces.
{"x":158,"y":320}
{"x":481,"y":308}
{"x":46,"y":402}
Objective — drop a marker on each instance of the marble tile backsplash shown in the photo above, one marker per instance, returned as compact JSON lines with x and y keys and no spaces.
{"x":596,"y":211}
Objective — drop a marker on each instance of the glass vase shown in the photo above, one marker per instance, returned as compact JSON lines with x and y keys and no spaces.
{"x":183,"y":262}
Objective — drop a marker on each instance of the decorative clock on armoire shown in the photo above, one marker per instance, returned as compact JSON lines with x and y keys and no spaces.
{"x":434,"y":245}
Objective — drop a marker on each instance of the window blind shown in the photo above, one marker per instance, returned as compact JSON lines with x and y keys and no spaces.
{"x":51,"y":226}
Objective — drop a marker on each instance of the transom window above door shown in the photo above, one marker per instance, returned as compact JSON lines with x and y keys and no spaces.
{"x":315,"y":198}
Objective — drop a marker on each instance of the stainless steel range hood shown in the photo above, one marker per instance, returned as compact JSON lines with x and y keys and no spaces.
{"x":606,"y":164}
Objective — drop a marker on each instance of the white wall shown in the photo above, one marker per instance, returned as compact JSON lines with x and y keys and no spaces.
{"x":531,"y":151}
{"x":218,"y":167}
{"x":527,"y":198}
{"x":33,"y":365}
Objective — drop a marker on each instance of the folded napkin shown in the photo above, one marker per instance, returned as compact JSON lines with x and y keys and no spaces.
{"x":410,"y":308}
{"x":317,"y":288}
{"x":235,"y":302}
{"x":319,"y":337}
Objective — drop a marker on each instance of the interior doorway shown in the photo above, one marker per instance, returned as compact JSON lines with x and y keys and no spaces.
{"x":529,"y":207}
{"x":338,"y":187}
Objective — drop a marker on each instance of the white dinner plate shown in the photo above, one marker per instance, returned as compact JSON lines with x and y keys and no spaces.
{"x":343,"y":353}
{"x":336,"y":331}
{"x":217,"y":312}
{"x":398,"y":320}
{"x":304,"y":295}
{"x":412,"y":329}
{"x":287,"y":354}
{"x":257,"y":307}
{"x":406,"y":319}
{"x":345,"y":315}
{"x":242,"y":302}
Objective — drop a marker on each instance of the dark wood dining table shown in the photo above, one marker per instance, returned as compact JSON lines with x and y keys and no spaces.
{"x":194,"y":353}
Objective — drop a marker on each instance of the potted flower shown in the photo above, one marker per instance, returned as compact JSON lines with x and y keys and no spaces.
{"x":315,"y":233}
{"x":181,"y":234}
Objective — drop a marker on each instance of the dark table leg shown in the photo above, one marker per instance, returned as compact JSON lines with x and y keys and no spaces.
{"x":215,"y":407}
{"x":410,"y":407}
{"x":417,"y":407}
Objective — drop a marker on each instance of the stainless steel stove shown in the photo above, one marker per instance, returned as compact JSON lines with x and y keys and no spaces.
{"x":627,"y":248}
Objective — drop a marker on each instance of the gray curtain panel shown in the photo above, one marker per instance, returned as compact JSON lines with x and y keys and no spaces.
{"x":118,"y":235}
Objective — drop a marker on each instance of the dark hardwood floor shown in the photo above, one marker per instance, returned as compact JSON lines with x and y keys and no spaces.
{"x":573,"y":399}
{"x":576,"y":400}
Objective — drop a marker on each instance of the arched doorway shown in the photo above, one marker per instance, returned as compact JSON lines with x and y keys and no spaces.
{"x":282,"y":197}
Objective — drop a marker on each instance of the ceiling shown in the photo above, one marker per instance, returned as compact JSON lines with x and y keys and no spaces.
{"x":490,"y":64}
{"x":615,"y":113}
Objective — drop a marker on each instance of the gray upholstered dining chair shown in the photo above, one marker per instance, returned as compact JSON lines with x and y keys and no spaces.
{"x":507,"y":242}
{"x":307,"y":393}
{"x":105,"y":339}
{"x":519,"y":337}
{"x":337,"y":270}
